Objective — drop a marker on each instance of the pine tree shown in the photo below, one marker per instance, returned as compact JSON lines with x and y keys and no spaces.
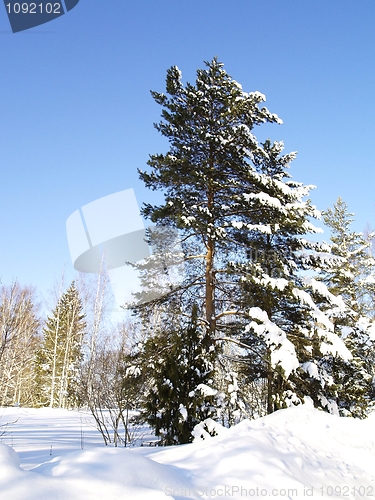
{"x":352,"y":276}
{"x":204,"y":173}
{"x":231,"y":198}
{"x":59,"y":358}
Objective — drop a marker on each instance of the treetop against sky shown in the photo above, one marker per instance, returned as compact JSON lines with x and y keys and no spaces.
{"x":77,"y":114}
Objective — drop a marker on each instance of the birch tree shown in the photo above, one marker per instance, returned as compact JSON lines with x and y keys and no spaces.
{"x":20,"y":338}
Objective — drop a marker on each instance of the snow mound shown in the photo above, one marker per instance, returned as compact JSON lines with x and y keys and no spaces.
{"x":9,"y":463}
{"x":114,"y":473}
{"x":109,"y":473}
{"x":293,"y":453}
{"x":299,"y":449}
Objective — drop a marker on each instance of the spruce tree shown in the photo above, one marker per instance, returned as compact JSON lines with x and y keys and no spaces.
{"x":177,"y":366}
{"x":243,"y":223}
{"x":59,"y":358}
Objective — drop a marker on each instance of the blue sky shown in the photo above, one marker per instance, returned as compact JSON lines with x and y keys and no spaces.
{"x":77,"y":117}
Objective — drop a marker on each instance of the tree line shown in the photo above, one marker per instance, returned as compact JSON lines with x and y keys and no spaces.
{"x":264,"y":315}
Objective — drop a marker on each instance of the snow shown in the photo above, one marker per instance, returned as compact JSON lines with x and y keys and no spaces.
{"x":262,"y":228}
{"x":204,"y":389}
{"x":322,"y":289}
{"x":304,"y":297}
{"x":371,"y":332}
{"x":207,"y":429}
{"x":183,"y":412}
{"x":293,"y":453}
{"x":311,"y":369}
{"x":282,"y":350}
{"x":336,"y":345}
{"x":370,"y":280}
{"x":264,"y":199}
{"x":278,"y":283}
{"x":310,"y":228}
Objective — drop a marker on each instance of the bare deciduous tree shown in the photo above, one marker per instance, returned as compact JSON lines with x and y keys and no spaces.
{"x":19,"y":340}
{"x":111,"y":386}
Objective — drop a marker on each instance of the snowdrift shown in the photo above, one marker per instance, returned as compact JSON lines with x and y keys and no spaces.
{"x":295,"y":453}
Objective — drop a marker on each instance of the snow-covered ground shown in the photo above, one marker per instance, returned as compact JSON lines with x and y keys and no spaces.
{"x":295,"y":453}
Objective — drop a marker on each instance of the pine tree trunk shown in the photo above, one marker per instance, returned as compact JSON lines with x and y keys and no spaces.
{"x":209,"y":275}
{"x":210,"y":305}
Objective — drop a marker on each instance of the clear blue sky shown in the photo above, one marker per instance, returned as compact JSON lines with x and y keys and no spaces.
{"x":77,"y":117}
